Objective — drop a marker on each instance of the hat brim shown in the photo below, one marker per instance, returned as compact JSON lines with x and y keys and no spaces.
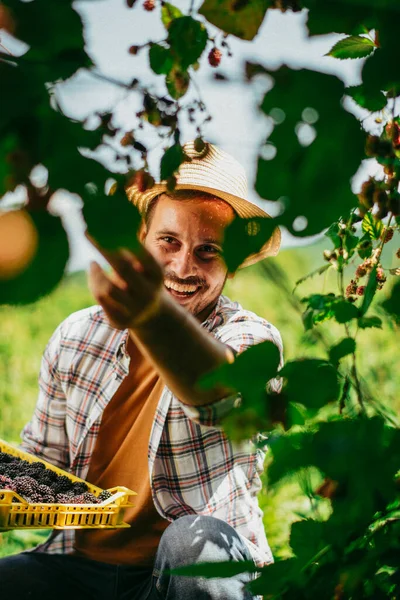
{"x":243,"y":208}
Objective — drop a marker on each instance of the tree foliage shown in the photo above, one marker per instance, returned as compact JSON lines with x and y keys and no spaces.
{"x":324,"y":417}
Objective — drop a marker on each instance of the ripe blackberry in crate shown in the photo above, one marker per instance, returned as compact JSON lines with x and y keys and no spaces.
{"x":6,"y":458}
{"x":6,"y":483}
{"x":47,"y":477}
{"x":67,"y":498}
{"x":61,"y":484}
{"x":46,"y":493}
{"x":79,"y":487}
{"x":34,"y":469}
{"x":104,"y":495}
{"x":26,"y":486}
{"x":86,"y":498}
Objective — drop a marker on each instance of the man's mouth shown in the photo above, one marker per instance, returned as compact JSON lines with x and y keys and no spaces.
{"x":179,"y":290}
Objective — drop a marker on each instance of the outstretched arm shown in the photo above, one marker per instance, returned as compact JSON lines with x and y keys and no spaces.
{"x":180,"y":349}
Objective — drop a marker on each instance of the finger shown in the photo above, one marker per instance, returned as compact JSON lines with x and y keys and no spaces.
{"x":103,"y":286}
{"x":148,"y":264}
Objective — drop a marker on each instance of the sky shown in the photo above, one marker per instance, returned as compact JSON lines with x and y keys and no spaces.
{"x":236,"y":126}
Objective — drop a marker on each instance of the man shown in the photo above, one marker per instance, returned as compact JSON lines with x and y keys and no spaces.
{"x":119,"y":405}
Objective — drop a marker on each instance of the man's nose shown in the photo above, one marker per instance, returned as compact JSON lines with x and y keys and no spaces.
{"x":184,"y":264}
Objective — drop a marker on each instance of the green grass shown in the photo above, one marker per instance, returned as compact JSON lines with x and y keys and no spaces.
{"x":26,"y":330}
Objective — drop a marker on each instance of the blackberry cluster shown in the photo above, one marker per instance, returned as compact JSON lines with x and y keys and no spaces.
{"x":37,"y":484}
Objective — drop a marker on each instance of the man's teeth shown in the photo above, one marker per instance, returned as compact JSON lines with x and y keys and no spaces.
{"x":183,"y":289}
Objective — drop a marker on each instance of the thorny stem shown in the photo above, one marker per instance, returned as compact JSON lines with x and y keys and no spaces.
{"x":354,"y":371}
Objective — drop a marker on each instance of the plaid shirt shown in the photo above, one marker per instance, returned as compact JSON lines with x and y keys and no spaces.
{"x":194,"y":468}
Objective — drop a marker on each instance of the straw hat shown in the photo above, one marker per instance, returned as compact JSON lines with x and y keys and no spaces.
{"x":215,"y":172}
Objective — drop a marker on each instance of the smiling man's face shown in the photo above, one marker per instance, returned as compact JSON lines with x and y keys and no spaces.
{"x":185,"y":236}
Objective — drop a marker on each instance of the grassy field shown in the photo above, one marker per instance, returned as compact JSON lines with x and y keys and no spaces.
{"x":26,"y":330}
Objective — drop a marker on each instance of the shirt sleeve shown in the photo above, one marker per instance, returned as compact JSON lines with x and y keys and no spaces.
{"x":239,"y":333}
{"x":45,"y":435}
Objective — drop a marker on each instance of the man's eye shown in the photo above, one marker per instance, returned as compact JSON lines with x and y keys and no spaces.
{"x":168,"y":239}
{"x":209,"y":250}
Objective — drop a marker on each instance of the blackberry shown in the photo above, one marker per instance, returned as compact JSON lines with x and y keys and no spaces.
{"x":45,"y":490}
{"x":48,"y":478}
{"x":6,"y":483}
{"x":5,"y":458}
{"x":90,"y":498}
{"x":104,"y":495}
{"x":25,"y":485}
{"x":78,"y":499}
{"x":35,"y":469}
{"x":86,"y":498}
{"x":65,"y":498}
{"x":33,"y":498}
{"x":79,"y":487}
{"x":61,"y":484}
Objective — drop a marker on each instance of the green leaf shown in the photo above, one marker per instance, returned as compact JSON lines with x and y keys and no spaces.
{"x":369,"y":292}
{"x":113,"y":221}
{"x":244,"y":237}
{"x":274,"y":578}
{"x":339,"y":16}
{"x":311,"y":382}
{"x":342,"y":349}
{"x":392,"y":304}
{"x":370,"y":99}
{"x":188,"y":39}
{"x":216,"y":569}
{"x":380,"y":71}
{"x":344,"y":311}
{"x":365,"y":322}
{"x":171,"y":161}
{"x":350,"y":242}
{"x":177,"y":82}
{"x":56,"y":41}
{"x":241,"y":18}
{"x":161,"y":61}
{"x":307,"y":164}
{"x":371,"y":226}
{"x":306,"y":539}
{"x":354,"y":46}
{"x":250,"y":372}
{"x":47,"y":267}
{"x":169,"y":12}
{"x":319,"y":308}
{"x":333,"y":234}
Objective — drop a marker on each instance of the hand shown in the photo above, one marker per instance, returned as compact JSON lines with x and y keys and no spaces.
{"x":132,"y":294}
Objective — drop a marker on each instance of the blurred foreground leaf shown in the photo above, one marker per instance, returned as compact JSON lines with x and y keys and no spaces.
{"x":311,"y":191}
{"x":250,"y":372}
{"x":244,"y":237}
{"x":241,"y":18}
{"x":112,"y":221}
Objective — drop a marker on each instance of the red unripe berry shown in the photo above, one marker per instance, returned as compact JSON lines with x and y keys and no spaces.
{"x":360,"y":290}
{"x":149,"y":5}
{"x":214,"y":57}
{"x":380,"y":275}
{"x":387,"y":235}
{"x":361,"y":271}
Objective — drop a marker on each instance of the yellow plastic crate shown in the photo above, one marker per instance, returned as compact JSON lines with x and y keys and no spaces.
{"x":23,"y":515}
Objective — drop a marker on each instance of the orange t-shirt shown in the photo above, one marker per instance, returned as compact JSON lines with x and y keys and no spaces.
{"x":120,"y":458}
